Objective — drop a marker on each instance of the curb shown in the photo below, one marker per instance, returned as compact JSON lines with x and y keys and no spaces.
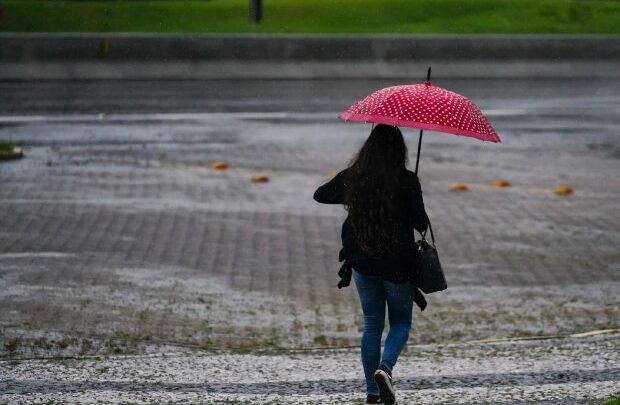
{"x":118,"y":56}
{"x":414,"y":72}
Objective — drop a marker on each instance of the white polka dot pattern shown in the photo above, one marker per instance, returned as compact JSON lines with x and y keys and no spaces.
{"x":423,"y":106}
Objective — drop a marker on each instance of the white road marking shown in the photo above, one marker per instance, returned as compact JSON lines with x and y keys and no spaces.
{"x":204,"y":116}
{"x":19,"y":255}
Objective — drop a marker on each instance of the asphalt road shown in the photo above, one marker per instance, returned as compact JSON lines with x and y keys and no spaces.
{"x":93,"y":97}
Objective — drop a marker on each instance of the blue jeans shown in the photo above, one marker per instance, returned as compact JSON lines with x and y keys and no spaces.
{"x":374,"y":293}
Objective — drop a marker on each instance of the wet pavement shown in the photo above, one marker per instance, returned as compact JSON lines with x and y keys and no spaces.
{"x":541,"y":372}
{"x":117,"y":238}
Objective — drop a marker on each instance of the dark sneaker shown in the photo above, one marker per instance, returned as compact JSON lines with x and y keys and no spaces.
{"x":383,"y":378}
{"x":373,"y":399}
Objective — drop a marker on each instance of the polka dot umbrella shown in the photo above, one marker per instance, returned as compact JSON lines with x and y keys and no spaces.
{"x":422,"y":106}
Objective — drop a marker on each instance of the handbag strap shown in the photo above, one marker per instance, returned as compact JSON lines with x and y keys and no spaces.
{"x":416,"y":173}
{"x":429,"y":227}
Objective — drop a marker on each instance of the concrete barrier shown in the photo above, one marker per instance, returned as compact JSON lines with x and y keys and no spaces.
{"x":155,"y":56}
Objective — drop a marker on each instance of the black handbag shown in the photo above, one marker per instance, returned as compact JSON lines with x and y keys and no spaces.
{"x":428,"y":272}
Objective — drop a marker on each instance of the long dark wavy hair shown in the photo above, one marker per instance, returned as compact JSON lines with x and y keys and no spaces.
{"x":371,"y":197}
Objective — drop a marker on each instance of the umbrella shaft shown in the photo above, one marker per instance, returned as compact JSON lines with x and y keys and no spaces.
{"x":417,"y":160}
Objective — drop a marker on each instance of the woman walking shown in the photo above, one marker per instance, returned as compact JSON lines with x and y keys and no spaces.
{"x":384,"y":203}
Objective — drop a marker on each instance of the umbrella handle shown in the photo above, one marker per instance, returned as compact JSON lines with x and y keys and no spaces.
{"x":417,"y":159}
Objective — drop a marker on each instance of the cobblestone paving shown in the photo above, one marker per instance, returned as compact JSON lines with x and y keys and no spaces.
{"x":502,"y":373}
{"x":116,"y":236}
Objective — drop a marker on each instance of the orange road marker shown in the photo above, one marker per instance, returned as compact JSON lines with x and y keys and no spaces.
{"x":260,"y":179}
{"x":219,"y":165}
{"x":563,"y":191}
{"x":500,"y":184}
{"x":459,"y":187}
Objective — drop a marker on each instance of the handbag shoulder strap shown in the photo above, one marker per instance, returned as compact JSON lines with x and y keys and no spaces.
{"x":430,"y":227}
{"x":427,"y":218}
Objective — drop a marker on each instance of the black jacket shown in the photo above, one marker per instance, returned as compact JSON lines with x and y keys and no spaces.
{"x":396,"y":268}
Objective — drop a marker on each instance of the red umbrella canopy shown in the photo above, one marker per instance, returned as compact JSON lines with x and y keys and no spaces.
{"x":423,"y":106}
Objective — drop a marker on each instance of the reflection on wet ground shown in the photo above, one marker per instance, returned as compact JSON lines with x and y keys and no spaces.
{"x":117,"y":235}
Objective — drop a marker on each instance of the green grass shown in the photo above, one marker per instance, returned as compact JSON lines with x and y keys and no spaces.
{"x":319,"y":16}
{"x":614,"y":401}
{"x":7,"y":153}
{"x":5,"y":147}
{"x":321,"y":340}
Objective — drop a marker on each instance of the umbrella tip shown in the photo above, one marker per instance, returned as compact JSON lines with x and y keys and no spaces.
{"x":428,"y":74}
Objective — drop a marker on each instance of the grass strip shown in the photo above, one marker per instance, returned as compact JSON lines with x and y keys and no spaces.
{"x":319,"y":16}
